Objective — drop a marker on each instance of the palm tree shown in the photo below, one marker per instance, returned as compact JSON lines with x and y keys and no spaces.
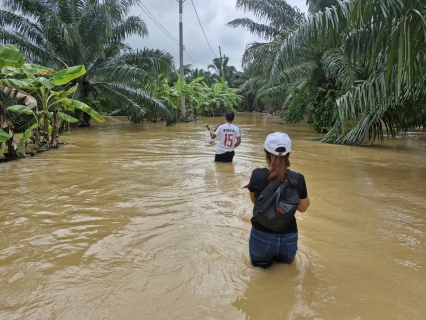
{"x":62,"y":33}
{"x":278,"y":15}
{"x":197,"y":73}
{"x":374,"y":51}
{"x":278,"y":18}
{"x":384,"y":38}
{"x":315,"y":6}
{"x":232,"y":76}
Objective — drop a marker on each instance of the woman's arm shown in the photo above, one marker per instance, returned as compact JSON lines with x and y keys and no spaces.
{"x":252,"y":197}
{"x":303,"y":204}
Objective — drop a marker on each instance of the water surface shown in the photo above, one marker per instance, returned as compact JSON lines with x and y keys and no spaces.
{"x":136,"y":221}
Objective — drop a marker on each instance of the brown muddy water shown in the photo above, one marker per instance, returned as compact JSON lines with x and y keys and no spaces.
{"x":136,"y":221}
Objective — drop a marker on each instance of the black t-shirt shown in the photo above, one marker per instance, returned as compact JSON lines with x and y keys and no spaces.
{"x":259,"y":181}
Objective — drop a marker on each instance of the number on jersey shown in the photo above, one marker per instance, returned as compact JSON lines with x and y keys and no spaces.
{"x":228,"y":140}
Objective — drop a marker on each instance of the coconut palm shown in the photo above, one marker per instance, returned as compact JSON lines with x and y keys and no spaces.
{"x":63,"y":33}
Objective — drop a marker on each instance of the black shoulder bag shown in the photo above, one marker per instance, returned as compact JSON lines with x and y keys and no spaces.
{"x":277,"y":204}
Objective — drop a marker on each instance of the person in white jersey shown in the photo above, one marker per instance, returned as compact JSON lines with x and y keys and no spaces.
{"x":229,"y":138}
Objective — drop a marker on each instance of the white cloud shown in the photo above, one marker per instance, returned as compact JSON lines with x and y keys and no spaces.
{"x":213,"y":14}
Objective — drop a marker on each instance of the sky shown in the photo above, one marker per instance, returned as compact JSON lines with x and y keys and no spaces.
{"x":213,"y":14}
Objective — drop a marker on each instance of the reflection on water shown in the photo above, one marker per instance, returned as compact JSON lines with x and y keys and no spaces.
{"x":136,"y":221}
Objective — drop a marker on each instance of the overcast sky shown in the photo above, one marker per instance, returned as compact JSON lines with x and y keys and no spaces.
{"x":213,"y":14}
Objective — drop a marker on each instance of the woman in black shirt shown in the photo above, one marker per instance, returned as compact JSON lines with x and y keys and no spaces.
{"x":266,"y":245}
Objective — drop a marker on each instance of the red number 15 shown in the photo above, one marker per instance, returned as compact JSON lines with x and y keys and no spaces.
{"x":228,"y":140}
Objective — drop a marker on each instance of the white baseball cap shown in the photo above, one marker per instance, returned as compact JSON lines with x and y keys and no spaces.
{"x":278,"y":140}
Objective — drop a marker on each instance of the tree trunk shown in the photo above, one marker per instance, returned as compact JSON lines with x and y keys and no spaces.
{"x":7,"y":127}
{"x":37,"y":142}
{"x":46,"y":128}
{"x":55,"y":129}
{"x":84,"y":120}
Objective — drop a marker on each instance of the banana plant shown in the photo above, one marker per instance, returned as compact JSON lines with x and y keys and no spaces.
{"x":222,"y":98}
{"x":53,"y":104}
{"x":31,"y":103}
{"x":9,"y":57}
{"x":200,"y":98}
{"x":40,"y":82}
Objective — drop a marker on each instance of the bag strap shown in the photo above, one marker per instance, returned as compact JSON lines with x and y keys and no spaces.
{"x":276,"y":184}
{"x":293,"y":182}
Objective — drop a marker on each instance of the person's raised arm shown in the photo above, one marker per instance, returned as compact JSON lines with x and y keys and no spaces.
{"x":212,"y":134}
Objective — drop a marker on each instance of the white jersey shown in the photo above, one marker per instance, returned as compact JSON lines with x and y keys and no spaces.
{"x":227,"y":134}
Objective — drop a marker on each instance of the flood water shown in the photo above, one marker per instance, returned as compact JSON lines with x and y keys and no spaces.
{"x":136,"y":221}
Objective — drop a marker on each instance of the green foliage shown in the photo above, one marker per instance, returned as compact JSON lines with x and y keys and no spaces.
{"x":4,"y":136}
{"x":60,"y":33}
{"x":10,"y":56}
{"x":317,"y":100}
{"x":64,"y":76}
{"x":322,"y":110}
{"x":46,"y":110}
{"x":199,"y":97}
{"x":371,"y":53}
{"x":221,"y":69}
{"x":296,"y":110}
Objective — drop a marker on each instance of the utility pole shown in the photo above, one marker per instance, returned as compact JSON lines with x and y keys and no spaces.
{"x":182,"y":97}
{"x":221,"y":63}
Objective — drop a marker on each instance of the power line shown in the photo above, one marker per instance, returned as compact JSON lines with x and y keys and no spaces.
{"x":162,"y":28}
{"x":202,"y":28}
{"x":190,"y":58}
{"x":158,"y":23}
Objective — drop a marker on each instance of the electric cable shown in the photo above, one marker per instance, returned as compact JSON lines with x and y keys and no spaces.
{"x":203,"y":29}
{"x":190,"y":58}
{"x":162,"y":28}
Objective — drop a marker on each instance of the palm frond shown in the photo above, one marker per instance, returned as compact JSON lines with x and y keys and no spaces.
{"x":134,"y":102}
{"x":259,"y":29}
{"x":336,"y":66}
{"x":314,"y":30}
{"x":279,"y":13}
{"x":130,"y":26}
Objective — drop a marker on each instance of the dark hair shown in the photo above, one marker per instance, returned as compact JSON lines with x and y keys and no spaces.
{"x":230,"y":115}
{"x":277,"y":165}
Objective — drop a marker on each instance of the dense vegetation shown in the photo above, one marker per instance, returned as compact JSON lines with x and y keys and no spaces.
{"x":352,"y":67}
{"x":34,"y":85}
{"x":140,"y":84}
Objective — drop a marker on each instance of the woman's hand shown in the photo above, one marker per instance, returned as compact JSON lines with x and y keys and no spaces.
{"x":303,"y":204}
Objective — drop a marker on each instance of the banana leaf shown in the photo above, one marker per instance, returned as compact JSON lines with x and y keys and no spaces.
{"x":13,"y":83}
{"x":67,"y":117}
{"x":19,"y":108}
{"x":26,"y":135}
{"x":85,"y":108}
{"x":10,"y":56}
{"x":64,"y":76}
{"x":4,"y":136}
